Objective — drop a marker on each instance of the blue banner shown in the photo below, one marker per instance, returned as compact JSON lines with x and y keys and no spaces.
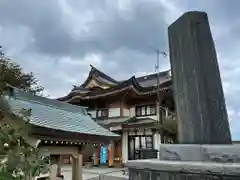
{"x":103,"y":155}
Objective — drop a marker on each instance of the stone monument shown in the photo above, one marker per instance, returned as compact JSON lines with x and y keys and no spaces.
{"x":198,"y":92}
{"x":205,"y":151}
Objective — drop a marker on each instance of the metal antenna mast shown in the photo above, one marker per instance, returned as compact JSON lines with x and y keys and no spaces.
{"x":159,"y":118}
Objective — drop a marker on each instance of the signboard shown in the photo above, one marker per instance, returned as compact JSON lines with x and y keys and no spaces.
{"x":103,"y":155}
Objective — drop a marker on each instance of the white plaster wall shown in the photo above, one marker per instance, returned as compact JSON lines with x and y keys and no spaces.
{"x":114,"y":112}
{"x":124,"y":147}
{"x":132,"y":111}
{"x":126,"y":112}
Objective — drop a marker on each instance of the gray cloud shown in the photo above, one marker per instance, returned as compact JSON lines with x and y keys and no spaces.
{"x":57,"y":40}
{"x":108,"y":30}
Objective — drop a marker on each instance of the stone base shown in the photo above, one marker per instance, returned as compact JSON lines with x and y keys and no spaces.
{"x":206,"y":153}
{"x":182,"y":170}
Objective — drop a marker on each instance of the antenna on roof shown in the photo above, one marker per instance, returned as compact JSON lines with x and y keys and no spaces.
{"x":159,"y":119}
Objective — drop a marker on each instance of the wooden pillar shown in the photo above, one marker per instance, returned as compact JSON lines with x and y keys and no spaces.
{"x":74,"y":168}
{"x":77,"y":169}
{"x":59,"y":165}
{"x":111,"y":154}
{"x":80,"y":167}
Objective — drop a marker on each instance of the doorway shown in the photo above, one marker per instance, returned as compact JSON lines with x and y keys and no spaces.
{"x":136,"y":143}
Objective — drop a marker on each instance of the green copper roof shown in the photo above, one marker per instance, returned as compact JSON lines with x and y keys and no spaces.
{"x":113,"y":121}
{"x":57,"y":115}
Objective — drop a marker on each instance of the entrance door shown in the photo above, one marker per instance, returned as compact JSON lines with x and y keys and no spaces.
{"x":136,"y":143}
{"x":131,"y":147}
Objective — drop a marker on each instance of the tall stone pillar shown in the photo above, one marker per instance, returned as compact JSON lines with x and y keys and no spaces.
{"x":198,"y":92}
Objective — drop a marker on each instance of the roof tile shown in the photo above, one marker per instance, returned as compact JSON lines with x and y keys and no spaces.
{"x":57,"y":115}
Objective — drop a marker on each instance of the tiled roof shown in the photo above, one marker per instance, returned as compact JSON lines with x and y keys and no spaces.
{"x":151,"y":80}
{"x":57,"y":115}
{"x":113,"y":121}
{"x":125,"y":121}
{"x":145,"y":84}
{"x":145,"y":81}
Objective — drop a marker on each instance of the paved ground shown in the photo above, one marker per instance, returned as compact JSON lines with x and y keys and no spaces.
{"x":96,"y":173}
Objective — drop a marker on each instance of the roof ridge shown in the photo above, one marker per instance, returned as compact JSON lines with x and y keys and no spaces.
{"x":94,"y":68}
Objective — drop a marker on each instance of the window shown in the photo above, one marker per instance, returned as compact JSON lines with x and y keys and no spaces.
{"x":138,"y":111}
{"x":149,"y":142}
{"x":147,"y":110}
{"x":143,"y":142}
{"x":104,"y":113}
{"x":101,"y":113}
{"x":137,"y":145}
{"x":152,"y":110}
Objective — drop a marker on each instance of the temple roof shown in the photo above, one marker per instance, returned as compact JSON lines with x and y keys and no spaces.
{"x":130,"y":84}
{"x":99,"y":76}
{"x":145,"y":81}
{"x":151,"y":80}
{"x":56,"y":115}
{"x":141,"y":85}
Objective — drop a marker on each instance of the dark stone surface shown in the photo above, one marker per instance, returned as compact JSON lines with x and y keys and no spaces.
{"x":139,"y":174}
{"x":208,"y":153}
{"x":198,"y":91}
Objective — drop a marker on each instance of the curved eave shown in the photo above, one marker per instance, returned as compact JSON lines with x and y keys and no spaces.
{"x":164,"y":89}
{"x":44,"y":133}
{"x":130,"y":84}
{"x":127,"y":83}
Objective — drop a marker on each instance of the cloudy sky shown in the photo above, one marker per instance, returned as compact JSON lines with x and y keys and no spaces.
{"x":59,"y":39}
